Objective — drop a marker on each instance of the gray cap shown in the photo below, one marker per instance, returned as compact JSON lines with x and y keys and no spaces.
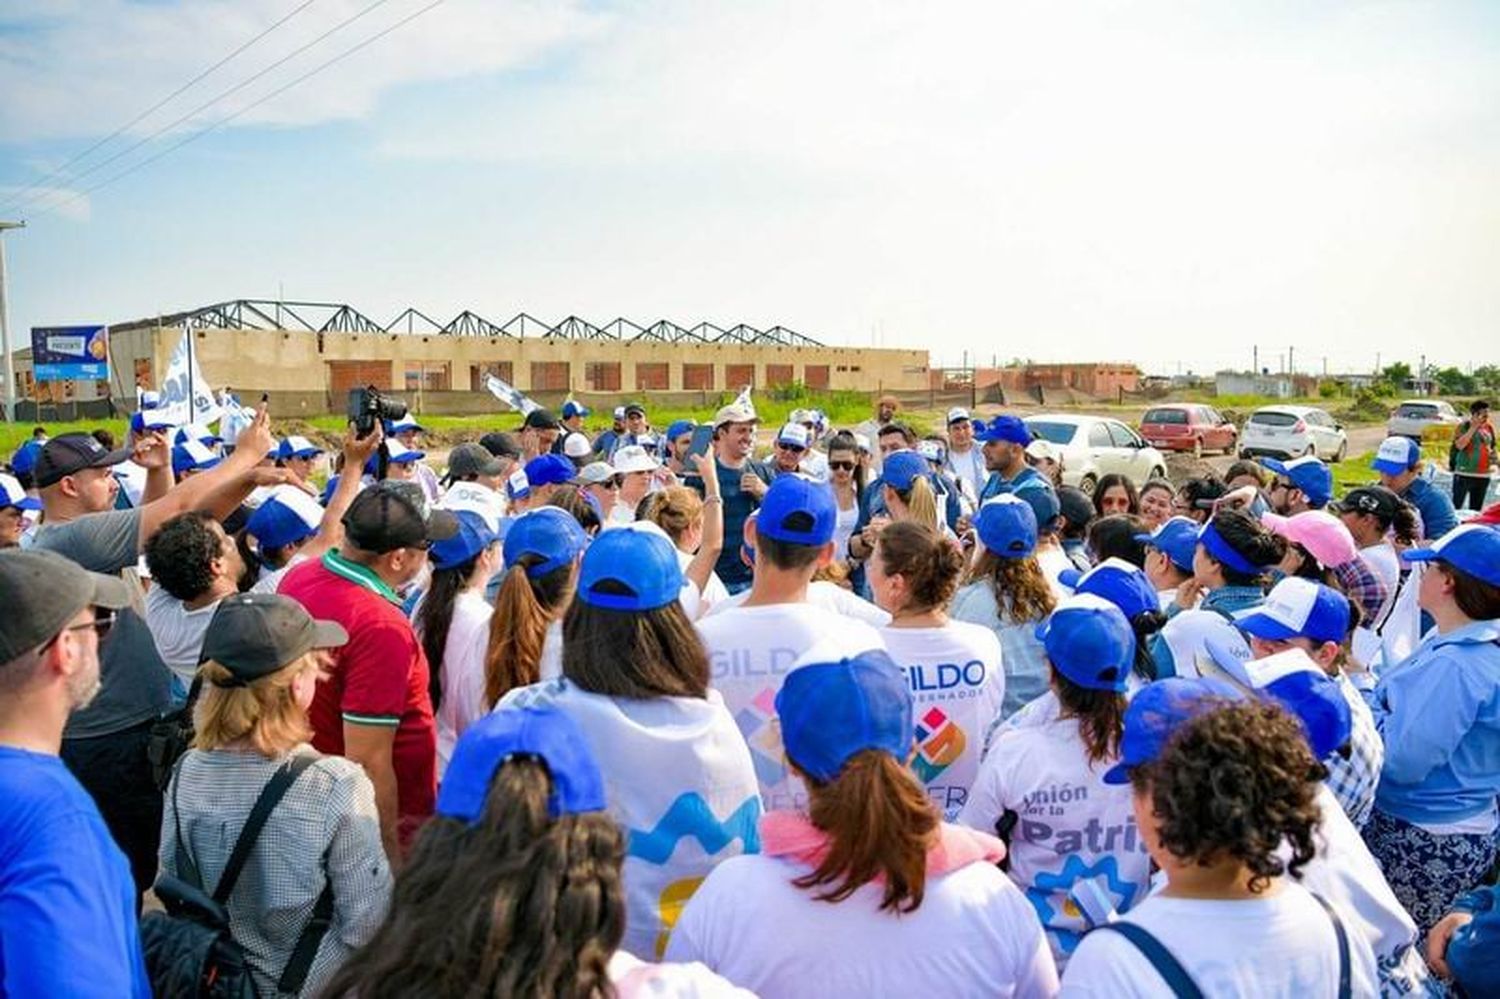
{"x":594,"y":473}
{"x":255,"y":634}
{"x":472,"y":459}
{"x":41,"y":591}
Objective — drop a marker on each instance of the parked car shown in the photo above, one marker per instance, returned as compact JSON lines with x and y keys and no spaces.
{"x":1416,"y":416}
{"x":1291,"y":432}
{"x":1189,"y":427}
{"x":1093,"y":446}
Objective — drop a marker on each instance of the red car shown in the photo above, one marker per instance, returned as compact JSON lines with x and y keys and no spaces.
{"x":1188,"y":427}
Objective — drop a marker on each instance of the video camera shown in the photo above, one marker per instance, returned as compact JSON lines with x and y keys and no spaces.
{"x":367,"y":406}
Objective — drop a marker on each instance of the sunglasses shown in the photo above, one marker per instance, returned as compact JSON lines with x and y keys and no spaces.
{"x":841,"y":466}
{"x":102,"y":622}
{"x":1281,"y":484}
{"x":793,"y":448}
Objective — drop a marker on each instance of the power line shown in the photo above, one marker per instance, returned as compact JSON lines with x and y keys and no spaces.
{"x":248,"y":107}
{"x":210,"y":103}
{"x":56,"y":172}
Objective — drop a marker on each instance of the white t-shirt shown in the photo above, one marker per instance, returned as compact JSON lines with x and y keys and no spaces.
{"x":825,"y":595}
{"x":750,"y":652}
{"x":1072,"y":826}
{"x":269,"y":581}
{"x":1386,"y":566}
{"x":177,"y":631}
{"x":973,"y":935}
{"x":1186,"y":637}
{"x":843,"y":529}
{"x":957,"y":686}
{"x":968,"y":468}
{"x":695,"y":602}
{"x":814,"y":465}
{"x":635,"y":979}
{"x":1279,"y":945}
{"x":550,"y":665}
{"x":679,"y":782}
{"x":462,"y":672}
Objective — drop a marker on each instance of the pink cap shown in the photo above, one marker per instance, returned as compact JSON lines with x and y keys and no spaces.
{"x":1321,"y":533}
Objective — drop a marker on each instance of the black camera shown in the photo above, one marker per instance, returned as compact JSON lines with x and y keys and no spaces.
{"x":367,"y":406}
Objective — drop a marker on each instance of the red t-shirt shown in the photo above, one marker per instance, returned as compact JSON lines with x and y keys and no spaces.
{"x":379,"y":678}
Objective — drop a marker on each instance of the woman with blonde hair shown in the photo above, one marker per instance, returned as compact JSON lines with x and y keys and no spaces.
{"x":906,"y":487}
{"x":315,"y":884}
{"x":695,"y":526}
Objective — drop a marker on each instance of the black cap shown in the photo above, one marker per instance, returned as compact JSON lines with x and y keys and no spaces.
{"x":636,"y":408}
{"x":41,"y":590}
{"x":471,"y":459}
{"x":68,"y":454}
{"x":1077,"y":508}
{"x":393,"y":514}
{"x":500,"y":444}
{"x":255,"y":634}
{"x":541,"y":419}
{"x":1378,"y":500}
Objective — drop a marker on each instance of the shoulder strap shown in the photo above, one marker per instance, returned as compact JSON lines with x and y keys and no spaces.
{"x":294,"y":975}
{"x":1343,"y":937}
{"x":270,"y":797}
{"x":187,"y":869}
{"x":1168,"y":967}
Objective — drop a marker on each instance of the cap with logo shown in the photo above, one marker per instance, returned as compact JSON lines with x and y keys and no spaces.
{"x":1325,"y":536}
{"x":41,"y":591}
{"x":517,"y":486}
{"x":633,"y":458}
{"x":1006,"y":526}
{"x":397,"y":454}
{"x":570,"y":409}
{"x":13,"y":496}
{"x":833,"y":710}
{"x":577,"y":445}
{"x":1308,"y":474}
{"x":1177,"y":539}
{"x":1089,"y":641}
{"x":297,"y":447}
{"x":631,"y":569}
{"x":1011,"y":429}
{"x":255,"y":634}
{"x":193,"y":456}
{"x":1396,"y":455}
{"x":957,"y":415}
{"x":594,"y":473}
{"x":395,"y":514}
{"x":549,"y":470}
{"x":1292,"y":679}
{"x":144,"y":420}
{"x":1473,"y":549}
{"x":541,"y":733}
{"x":735,"y":413}
{"x":551,"y":535}
{"x":1298,"y":608}
{"x":933,"y":451}
{"x":69,"y":454}
{"x":541,"y":419}
{"x":1377,"y":500}
{"x":1117,"y":581}
{"x":471,"y":459}
{"x":794,"y":436}
{"x":286,"y":516}
{"x":500,"y":444}
{"x":902,"y":468}
{"x":799,"y":511}
{"x":1158,"y":710}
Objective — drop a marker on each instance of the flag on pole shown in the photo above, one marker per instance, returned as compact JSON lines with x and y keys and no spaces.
{"x":185,"y":394}
{"x":236,"y":417}
{"x":510,"y":395}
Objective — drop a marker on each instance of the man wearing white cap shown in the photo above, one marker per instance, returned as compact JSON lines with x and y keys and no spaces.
{"x":742,"y":483}
{"x":814,"y":463}
{"x":964,"y":461}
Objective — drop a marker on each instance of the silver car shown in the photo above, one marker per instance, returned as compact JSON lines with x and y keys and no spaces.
{"x":1415,"y":416}
{"x":1094,"y":446}
{"x":1291,"y":432}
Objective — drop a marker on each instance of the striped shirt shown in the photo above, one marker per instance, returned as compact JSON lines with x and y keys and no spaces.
{"x":325,"y":829}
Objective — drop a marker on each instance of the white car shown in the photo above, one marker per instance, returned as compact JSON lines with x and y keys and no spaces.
{"x":1095,"y":446}
{"x":1291,"y":432}
{"x":1414,"y":416}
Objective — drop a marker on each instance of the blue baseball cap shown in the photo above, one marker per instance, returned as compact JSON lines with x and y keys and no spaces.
{"x":1308,"y":474}
{"x":1291,"y":679}
{"x":285,"y":517}
{"x":1044,"y":503}
{"x":550,"y":532}
{"x":545,"y":733}
{"x":1117,"y":581}
{"x":193,"y":456}
{"x":550,"y":469}
{"x":571,"y":409}
{"x":12,"y":495}
{"x":401,"y":426}
{"x":25,"y":458}
{"x":798,"y":511}
{"x":1396,"y":455}
{"x":474,"y":536}
{"x":1298,"y":608}
{"x":196,"y":432}
{"x":399,"y":454}
{"x":831,"y":711}
{"x":680,"y":427}
{"x":145,"y":420}
{"x":637,"y":559}
{"x":1006,"y":526}
{"x":297,"y":447}
{"x":328,"y":489}
{"x":1216,"y":545}
{"x":1157,"y":710}
{"x":901,"y":468}
{"x":1177,"y":539}
{"x":1003,"y":428}
{"x":1470,"y":548}
{"x":1089,"y":641}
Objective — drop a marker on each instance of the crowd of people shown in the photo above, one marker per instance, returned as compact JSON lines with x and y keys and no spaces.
{"x":650,"y":712}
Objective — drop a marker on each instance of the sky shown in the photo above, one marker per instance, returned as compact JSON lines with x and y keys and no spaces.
{"x":1174,"y":184}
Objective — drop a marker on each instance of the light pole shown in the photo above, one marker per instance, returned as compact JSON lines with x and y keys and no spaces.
{"x":10,"y":363}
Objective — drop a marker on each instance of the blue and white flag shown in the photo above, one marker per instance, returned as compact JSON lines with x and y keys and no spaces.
{"x":509,"y":394}
{"x":744,"y":400}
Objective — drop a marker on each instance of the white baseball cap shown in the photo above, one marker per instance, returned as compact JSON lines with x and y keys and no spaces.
{"x":794,"y":434}
{"x":1043,"y":450}
{"x":577,"y":446}
{"x":957,"y":413}
{"x":734,"y":414}
{"x":595,"y":472}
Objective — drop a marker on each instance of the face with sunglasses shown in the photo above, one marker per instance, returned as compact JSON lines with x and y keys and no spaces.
{"x":788,"y":457}
{"x":841,"y":464}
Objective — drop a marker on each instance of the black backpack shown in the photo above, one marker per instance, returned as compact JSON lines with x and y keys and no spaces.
{"x":190,"y":953}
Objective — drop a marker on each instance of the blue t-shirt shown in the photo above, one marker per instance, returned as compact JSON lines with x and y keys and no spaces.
{"x":1435,"y":506}
{"x":67,"y":901}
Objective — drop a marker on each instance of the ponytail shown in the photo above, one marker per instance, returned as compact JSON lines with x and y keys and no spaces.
{"x":921,"y":501}
{"x":1100,"y":714}
{"x":524,"y":609}
{"x":435,"y":616}
{"x":1404,"y":524}
{"x":880,"y":825}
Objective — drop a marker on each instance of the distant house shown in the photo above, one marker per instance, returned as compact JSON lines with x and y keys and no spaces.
{"x":1091,"y":378}
{"x":1282,"y":386}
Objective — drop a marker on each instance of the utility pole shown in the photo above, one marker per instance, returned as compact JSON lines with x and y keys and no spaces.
{"x":10,"y":361}
{"x":1255,"y":365}
{"x":1291,"y":363}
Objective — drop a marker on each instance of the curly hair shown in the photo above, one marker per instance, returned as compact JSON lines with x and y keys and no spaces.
{"x":181,"y":554}
{"x":517,"y":904}
{"x":1021,"y":589}
{"x":1235,"y":783}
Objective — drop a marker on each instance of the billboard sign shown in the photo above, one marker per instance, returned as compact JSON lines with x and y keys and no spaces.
{"x":70,"y":353}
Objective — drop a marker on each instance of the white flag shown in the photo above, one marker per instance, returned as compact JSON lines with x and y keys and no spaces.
{"x":175,"y":405}
{"x":744,"y":400}
{"x":509,"y":394}
{"x":236,"y":417}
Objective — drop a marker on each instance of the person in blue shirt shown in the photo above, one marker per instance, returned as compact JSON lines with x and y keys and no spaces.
{"x":1435,"y":828}
{"x":1465,"y":945}
{"x":1399,"y":462}
{"x":1005,"y":439}
{"x":67,"y":899}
